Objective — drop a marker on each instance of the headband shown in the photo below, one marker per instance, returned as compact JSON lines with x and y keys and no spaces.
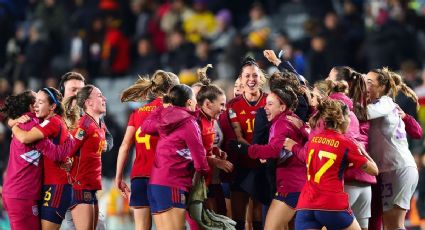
{"x":51,"y":96}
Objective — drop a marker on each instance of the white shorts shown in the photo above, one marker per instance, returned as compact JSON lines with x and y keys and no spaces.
{"x":360,"y":199}
{"x":397,"y":187}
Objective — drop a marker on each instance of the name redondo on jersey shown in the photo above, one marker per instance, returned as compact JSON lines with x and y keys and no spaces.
{"x":326,"y":141}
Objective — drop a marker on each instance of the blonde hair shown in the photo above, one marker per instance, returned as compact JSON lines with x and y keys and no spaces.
{"x":147,"y":89}
{"x":332,"y":112}
{"x":72,"y":112}
{"x":324,"y":87}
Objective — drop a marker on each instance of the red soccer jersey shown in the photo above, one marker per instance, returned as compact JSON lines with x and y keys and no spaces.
{"x":207,"y":131}
{"x":145,"y":143}
{"x":87,"y":169}
{"x":54,"y":129}
{"x":329,"y":154}
{"x":243,"y":112}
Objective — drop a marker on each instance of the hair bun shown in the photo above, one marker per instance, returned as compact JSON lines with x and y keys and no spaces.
{"x":202,"y":75}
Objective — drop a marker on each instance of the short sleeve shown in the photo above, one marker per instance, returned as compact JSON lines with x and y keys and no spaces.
{"x":50,"y":127}
{"x":131,"y":119}
{"x":355,"y":156}
{"x":232,"y":115}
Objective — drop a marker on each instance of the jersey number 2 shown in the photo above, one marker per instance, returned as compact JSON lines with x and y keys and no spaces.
{"x":331,"y":160}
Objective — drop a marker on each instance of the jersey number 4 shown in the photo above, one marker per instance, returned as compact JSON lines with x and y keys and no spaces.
{"x":331,"y":160}
{"x":143,"y":140}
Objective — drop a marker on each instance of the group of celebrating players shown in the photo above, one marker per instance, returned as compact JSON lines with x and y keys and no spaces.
{"x":331,"y":155}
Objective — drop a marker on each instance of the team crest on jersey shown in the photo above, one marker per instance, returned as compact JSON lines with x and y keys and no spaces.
{"x":232,"y":114}
{"x":80,"y":134}
{"x":35,"y":210}
{"x":253,"y":112}
{"x":243,"y":112}
{"x":87,"y":196}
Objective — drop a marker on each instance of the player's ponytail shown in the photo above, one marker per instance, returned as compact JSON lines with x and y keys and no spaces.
{"x":72,"y":112}
{"x":207,"y":90}
{"x":340,"y":87}
{"x":146,"y":88}
{"x":406,"y":90}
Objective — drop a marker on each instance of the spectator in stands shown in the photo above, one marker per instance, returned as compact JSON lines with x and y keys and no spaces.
{"x":54,"y":17}
{"x":335,"y":36}
{"x":146,"y":60}
{"x":36,"y":53}
{"x":115,"y":49}
{"x":318,"y":59}
{"x":180,"y":53}
{"x":203,"y":55}
{"x":141,"y":17}
{"x":94,"y":40}
{"x":200,"y":24}
{"x":225,"y":31}
{"x":4,"y":91}
{"x":258,"y":19}
{"x":175,"y":16}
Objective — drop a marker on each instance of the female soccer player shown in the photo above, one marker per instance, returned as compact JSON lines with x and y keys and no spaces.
{"x":237,"y":88}
{"x":348,"y":82}
{"x":389,"y":148}
{"x":57,"y":191}
{"x":242,"y":111}
{"x":86,"y":172}
{"x":290,"y":172}
{"x":178,"y":155}
{"x":323,"y":202}
{"x":23,"y":181}
{"x":212,"y":102}
{"x":152,"y":91}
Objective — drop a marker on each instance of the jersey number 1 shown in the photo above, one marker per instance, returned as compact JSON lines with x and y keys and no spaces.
{"x":250,"y":124}
{"x":331,"y":160}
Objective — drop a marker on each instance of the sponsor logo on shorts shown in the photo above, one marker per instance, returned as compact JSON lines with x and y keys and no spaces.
{"x":87,"y":196}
